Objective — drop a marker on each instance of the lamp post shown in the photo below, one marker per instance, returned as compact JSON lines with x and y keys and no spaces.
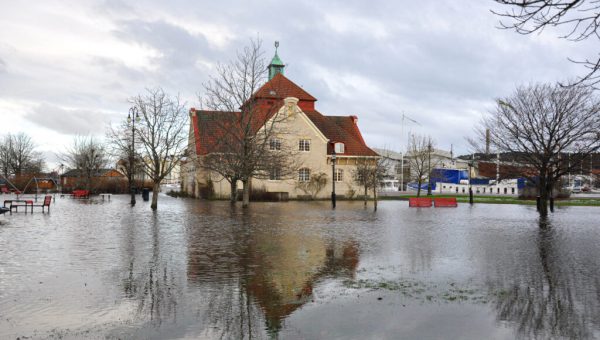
{"x":471,"y":163}
{"x":333,"y":157}
{"x":132,"y":118}
{"x":429,"y":168}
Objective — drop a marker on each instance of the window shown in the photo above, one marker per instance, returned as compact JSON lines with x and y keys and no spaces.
{"x":339,"y":175}
{"x":512,"y":190}
{"x":339,"y":147}
{"x":304,"y":145}
{"x":304,"y":175}
{"x":275,"y":144}
{"x":398,"y":169}
{"x":275,"y":174}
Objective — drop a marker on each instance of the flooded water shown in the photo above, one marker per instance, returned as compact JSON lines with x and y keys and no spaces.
{"x":298,"y":270}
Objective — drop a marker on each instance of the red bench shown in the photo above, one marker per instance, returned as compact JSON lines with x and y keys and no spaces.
{"x":47,"y":201}
{"x":445,"y":202}
{"x":4,"y":190}
{"x":419,"y":202}
{"x":81,"y":194}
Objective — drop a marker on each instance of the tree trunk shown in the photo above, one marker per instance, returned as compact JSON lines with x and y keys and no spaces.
{"x":366,"y":194}
{"x":375,"y":198}
{"x":155,"y":190}
{"x":233,"y":193}
{"x":419,"y":188}
{"x":246,"y":194}
{"x":543,"y":188}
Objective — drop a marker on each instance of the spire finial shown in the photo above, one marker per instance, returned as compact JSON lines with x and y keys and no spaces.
{"x":276,"y":65}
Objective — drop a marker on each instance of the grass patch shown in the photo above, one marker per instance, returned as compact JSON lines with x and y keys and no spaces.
{"x":588,"y":202}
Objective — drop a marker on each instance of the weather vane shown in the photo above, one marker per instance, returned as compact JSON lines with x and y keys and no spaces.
{"x":276,"y":45}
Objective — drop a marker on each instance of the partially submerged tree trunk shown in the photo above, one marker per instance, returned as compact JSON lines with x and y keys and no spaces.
{"x":366,"y":194}
{"x":246,"y":193}
{"x":375,"y":198}
{"x":233,"y":193}
{"x":155,"y":190}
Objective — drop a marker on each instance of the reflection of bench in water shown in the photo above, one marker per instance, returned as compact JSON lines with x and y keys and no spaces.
{"x":4,"y":210}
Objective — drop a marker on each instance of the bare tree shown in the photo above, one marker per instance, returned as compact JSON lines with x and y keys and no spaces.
{"x":162,"y":135}
{"x":580,"y":18}
{"x":369,"y":172}
{"x":87,"y":156}
{"x":419,"y":159}
{"x":124,"y":152}
{"x":541,"y":123}
{"x":18,"y":155}
{"x":248,"y":145}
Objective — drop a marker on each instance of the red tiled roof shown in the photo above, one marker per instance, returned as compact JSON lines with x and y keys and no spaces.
{"x":341,"y":129}
{"x":210,"y":127}
{"x":281,"y":87}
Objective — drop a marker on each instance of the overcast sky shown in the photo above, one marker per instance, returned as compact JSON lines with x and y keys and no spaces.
{"x":68,"y":68}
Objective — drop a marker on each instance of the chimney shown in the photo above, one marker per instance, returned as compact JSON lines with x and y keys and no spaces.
{"x":192,"y":112}
{"x":354,"y":119}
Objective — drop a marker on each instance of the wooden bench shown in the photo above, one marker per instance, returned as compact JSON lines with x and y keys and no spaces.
{"x":47,"y":201}
{"x":445,"y":202}
{"x":419,"y":202}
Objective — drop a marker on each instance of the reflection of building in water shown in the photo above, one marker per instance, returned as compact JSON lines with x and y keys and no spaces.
{"x":288,"y":269}
{"x":277,"y":270}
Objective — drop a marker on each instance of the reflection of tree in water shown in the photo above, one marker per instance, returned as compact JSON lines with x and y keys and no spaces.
{"x":553,"y":300}
{"x":261,"y":275}
{"x":154,"y":287}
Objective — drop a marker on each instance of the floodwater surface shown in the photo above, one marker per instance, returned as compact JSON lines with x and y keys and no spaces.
{"x":298,"y":270}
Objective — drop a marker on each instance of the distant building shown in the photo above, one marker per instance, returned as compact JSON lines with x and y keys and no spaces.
{"x":102,"y":179}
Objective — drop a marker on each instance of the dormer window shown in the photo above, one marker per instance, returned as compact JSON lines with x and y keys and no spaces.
{"x":339,"y":147}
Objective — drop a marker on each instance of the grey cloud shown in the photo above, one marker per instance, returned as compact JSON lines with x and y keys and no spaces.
{"x":71,"y":122}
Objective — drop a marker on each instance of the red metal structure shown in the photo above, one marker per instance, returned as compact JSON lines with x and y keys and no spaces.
{"x":419,"y":202}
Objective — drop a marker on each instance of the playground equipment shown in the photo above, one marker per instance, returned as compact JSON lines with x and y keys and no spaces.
{"x":41,"y":183}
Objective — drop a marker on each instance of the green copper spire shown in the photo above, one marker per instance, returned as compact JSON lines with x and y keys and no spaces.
{"x":276,"y":65}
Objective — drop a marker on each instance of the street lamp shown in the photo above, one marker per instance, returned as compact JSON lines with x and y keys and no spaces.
{"x":333,"y":157}
{"x":132,"y":118}
{"x":429,"y":168}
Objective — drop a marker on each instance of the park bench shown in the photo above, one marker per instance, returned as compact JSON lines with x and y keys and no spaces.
{"x":15,"y":204}
{"x":419,"y":202}
{"x":81,"y":194}
{"x":440,"y":202}
{"x":47,"y":201}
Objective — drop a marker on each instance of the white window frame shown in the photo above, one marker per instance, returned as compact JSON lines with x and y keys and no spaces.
{"x":303,"y":175}
{"x":275,"y":144}
{"x":304,"y":145}
{"x":339,"y":175}
{"x":339,"y":147}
